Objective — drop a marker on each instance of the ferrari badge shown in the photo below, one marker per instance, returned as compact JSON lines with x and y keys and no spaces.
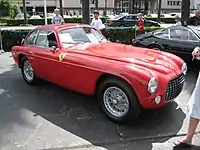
{"x":62,"y":56}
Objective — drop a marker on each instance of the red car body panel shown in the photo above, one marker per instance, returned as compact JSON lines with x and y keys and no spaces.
{"x":84,"y":65}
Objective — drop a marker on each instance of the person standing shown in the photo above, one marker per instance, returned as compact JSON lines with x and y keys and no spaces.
{"x":96,"y":21}
{"x":57,"y":19}
{"x":195,"y":20}
{"x":193,"y":110}
{"x":177,"y":20}
{"x":141,"y":24}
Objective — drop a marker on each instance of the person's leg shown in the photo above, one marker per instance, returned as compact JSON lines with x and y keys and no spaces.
{"x":191,"y":131}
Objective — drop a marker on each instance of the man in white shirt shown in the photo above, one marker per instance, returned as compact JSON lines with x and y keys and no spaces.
{"x":177,"y":20}
{"x":57,"y":19}
{"x":96,"y":21}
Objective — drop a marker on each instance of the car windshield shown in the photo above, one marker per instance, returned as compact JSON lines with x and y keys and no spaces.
{"x":118,"y":17}
{"x":80,"y":35}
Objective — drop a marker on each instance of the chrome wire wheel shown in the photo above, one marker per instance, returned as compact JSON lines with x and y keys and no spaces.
{"x":28,"y":71}
{"x":116,"y":101}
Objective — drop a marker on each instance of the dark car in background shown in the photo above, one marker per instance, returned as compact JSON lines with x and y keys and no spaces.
{"x":128,"y":20}
{"x":178,"y":40}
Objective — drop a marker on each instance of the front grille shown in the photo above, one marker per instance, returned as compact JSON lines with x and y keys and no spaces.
{"x":174,"y":87}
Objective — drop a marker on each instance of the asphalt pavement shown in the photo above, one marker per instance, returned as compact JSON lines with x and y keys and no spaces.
{"x":49,"y":117}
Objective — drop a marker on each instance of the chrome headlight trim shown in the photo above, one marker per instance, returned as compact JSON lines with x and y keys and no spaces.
{"x":152,"y":85}
{"x":184,"y":68}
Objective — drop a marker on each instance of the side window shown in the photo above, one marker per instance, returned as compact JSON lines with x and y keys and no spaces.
{"x":31,"y":38}
{"x":175,"y":34}
{"x":133,"y":17}
{"x":123,"y":18}
{"x":126,"y":17}
{"x":46,"y":39}
{"x":148,"y":24}
{"x":163,"y":34}
{"x":182,"y":34}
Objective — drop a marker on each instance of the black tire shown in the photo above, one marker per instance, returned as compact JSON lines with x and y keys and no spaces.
{"x":134,"y":106}
{"x":35,"y":79}
{"x":155,"y":47}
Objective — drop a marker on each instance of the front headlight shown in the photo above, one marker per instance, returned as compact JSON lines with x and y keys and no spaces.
{"x":153,"y":85}
{"x":184,"y":68}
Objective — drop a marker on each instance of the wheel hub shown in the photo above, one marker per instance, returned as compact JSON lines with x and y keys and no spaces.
{"x":28,"y":71}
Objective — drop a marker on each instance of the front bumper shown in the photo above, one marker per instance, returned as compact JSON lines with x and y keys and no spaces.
{"x":171,"y":92}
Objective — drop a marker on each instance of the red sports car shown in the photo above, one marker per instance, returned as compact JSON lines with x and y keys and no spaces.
{"x":125,"y":79}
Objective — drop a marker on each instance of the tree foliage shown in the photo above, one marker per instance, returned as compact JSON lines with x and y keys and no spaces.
{"x":8,"y":8}
{"x":185,"y":10}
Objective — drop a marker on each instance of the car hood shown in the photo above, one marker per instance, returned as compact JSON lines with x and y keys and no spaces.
{"x":146,"y":35}
{"x":142,"y":57}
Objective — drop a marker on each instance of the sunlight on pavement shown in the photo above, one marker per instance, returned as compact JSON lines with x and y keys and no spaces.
{"x":39,"y":129}
{"x":168,"y":145}
{"x":33,"y":131}
{"x":4,"y":60}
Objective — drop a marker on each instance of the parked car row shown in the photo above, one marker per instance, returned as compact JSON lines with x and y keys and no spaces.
{"x":21,"y":16}
{"x":49,"y":15}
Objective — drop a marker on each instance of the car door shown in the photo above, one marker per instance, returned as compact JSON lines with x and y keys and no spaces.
{"x":28,"y":47}
{"x":45,"y":58}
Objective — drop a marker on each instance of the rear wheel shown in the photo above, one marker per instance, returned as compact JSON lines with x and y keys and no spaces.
{"x":155,"y":47}
{"x":118,"y":100}
{"x":28,"y":71}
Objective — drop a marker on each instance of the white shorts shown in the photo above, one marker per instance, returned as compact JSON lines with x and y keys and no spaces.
{"x":194,"y":102}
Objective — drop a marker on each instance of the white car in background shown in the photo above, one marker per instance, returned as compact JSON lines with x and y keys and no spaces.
{"x":21,"y":16}
{"x":50,"y":15}
{"x":67,"y":16}
{"x":35,"y":17}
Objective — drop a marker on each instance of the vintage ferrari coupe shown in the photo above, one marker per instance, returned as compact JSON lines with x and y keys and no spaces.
{"x":124,"y":79}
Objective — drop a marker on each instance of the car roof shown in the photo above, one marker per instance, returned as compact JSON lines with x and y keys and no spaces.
{"x":177,"y":27}
{"x":60,"y":27}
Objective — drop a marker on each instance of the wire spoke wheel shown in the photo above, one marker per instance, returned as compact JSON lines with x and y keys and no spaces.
{"x":116,"y":101}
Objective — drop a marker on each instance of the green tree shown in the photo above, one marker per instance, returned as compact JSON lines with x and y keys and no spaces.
{"x":185,"y":10}
{"x":14,"y":10}
{"x":8,"y":8}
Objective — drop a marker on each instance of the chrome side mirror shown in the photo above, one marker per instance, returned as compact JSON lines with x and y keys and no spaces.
{"x":53,"y":48}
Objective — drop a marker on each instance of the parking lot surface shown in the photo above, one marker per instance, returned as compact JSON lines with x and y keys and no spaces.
{"x":49,"y":117}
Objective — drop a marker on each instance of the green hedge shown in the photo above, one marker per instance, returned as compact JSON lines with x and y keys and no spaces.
{"x":3,"y":22}
{"x":17,"y":22}
{"x":123,"y":35}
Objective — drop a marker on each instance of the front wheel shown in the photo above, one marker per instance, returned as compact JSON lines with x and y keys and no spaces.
{"x":118,"y":100}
